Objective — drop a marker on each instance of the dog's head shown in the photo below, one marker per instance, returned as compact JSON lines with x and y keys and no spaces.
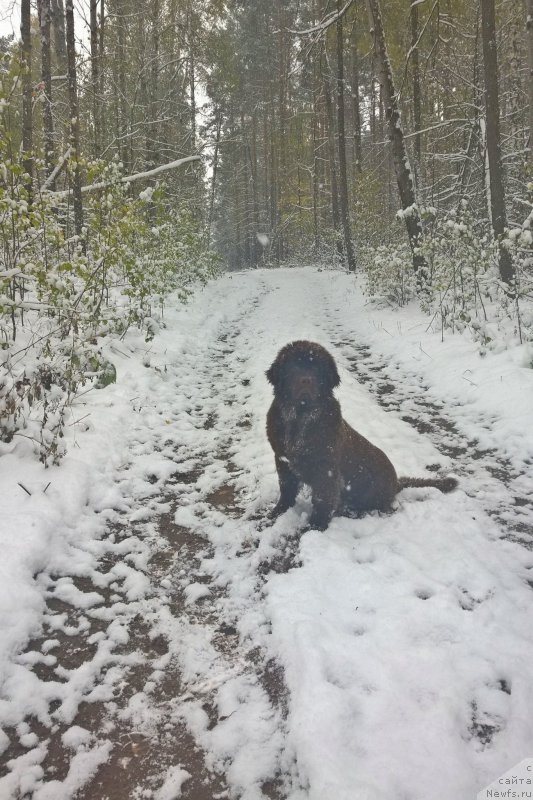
{"x":303,"y":373}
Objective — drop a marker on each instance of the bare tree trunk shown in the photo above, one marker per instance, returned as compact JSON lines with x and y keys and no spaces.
{"x":402,"y":167}
{"x":214,"y":175}
{"x":45,"y":16}
{"x":529,"y":32}
{"x":101,"y":66}
{"x":74,"y":117}
{"x":415,"y":66}
{"x":333,"y":167}
{"x":514,"y":89}
{"x":192,"y":83}
{"x":95,"y":81}
{"x":245,"y":196}
{"x":27,"y":99}
{"x":283,"y":68}
{"x":358,"y":155}
{"x":153,"y":149}
{"x":192,"y":87}
{"x":238,"y":236}
{"x":373,"y":105}
{"x":474,"y":134}
{"x":343,"y":177}
{"x":266,"y":168}
{"x":124,"y":148}
{"x":273,"y":183}
{"x":316,"y":227}
{"x":492,"y":109}
{"x":58,"y":22}
{"x":255,"y":189}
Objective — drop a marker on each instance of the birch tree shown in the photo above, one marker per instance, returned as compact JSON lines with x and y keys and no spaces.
{"x":402,"y":167}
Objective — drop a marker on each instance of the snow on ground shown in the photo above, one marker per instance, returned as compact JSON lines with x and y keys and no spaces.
{"x":404,"y":642}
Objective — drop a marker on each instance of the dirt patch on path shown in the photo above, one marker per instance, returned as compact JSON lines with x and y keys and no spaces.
{"x":142,"y":752}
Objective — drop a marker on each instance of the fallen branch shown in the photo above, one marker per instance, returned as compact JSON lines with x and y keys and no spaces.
{"x":53,"y":175}
{"x":129,"y":178}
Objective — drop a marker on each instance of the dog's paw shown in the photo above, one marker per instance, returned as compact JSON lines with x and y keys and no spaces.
{"x":318,"y":522}
{"x":278,"y":510}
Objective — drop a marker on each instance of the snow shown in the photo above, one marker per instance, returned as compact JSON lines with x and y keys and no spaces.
{"x":195,"y":592}
{"x":171,"y":788}
{"x":82,"y":767}
{"x":76,"y":736}
{"x":404,"y":640}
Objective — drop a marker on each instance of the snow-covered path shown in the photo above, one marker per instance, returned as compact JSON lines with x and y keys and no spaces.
{"x":181,"y":648}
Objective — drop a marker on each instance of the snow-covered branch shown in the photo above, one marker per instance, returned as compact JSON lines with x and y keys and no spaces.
{"x":57,"y":169}
{"x":129,"y":178}
{"x":325,"y":23}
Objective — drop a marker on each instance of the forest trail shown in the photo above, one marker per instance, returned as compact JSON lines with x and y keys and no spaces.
{"x":204,"y":655}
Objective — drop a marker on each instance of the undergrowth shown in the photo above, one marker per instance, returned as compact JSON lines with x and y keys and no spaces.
{"x":61,"y":295}
{"x":462,"y":290}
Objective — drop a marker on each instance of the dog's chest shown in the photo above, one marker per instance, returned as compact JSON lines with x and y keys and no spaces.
{"x":298,"y":435}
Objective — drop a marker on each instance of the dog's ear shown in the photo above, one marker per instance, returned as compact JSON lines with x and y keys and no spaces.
{"x":329,"y":371}
{"x":273,"y":374}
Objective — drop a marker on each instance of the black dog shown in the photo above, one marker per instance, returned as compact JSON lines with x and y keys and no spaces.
{"x":314,"y":445}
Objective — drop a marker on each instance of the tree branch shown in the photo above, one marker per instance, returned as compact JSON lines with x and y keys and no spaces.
{"x":326,"y":22}
{"x":129,"y":178}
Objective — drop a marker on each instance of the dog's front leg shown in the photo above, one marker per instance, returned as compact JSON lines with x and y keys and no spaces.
{"x":288,"y":487}
{"x":326,"y":496}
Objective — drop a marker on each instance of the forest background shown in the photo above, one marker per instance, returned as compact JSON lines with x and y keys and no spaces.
{"x":144,"y":147}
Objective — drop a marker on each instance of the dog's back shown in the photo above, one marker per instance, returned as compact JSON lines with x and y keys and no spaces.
{"x":370,"y":480}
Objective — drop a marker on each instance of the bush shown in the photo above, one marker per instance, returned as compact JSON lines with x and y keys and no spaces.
{"x":389,"y":272}
{"x":61,"y":294}
{"x":463,"y":289}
